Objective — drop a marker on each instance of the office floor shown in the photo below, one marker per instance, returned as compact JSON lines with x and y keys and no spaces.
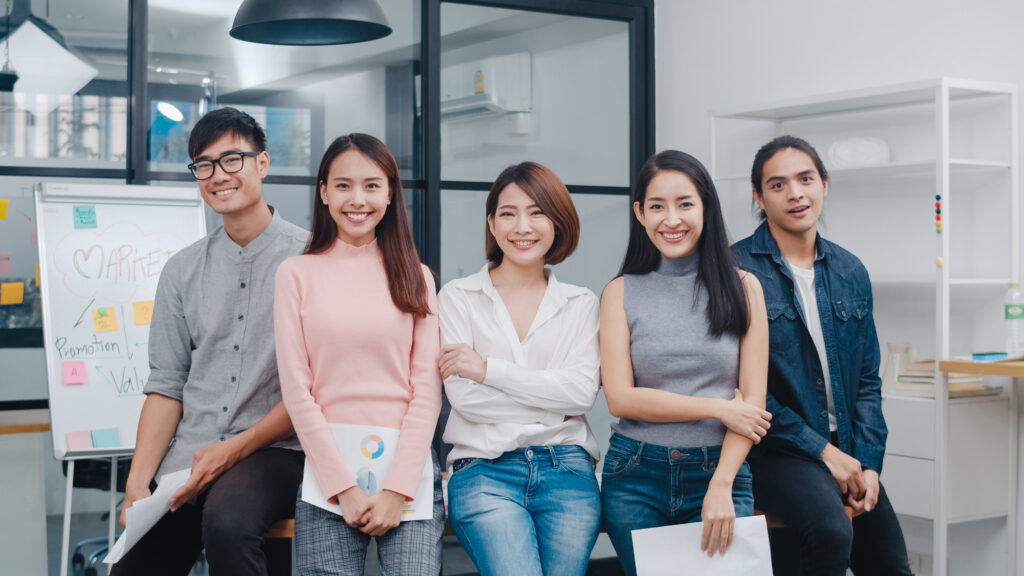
{"x":456,"y":562}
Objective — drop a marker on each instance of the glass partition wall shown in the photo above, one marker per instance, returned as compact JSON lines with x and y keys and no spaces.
{"x":109,"y":90}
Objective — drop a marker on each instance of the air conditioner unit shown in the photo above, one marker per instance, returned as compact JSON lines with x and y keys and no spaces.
{"x":492,"y":86}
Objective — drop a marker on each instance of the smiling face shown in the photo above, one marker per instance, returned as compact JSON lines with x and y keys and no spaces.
{"x":356,"y":194}
{"x":238,"y":194}
{"x":672,"y":214}
{"x":792,"y":193}
{"x":523,"y":233}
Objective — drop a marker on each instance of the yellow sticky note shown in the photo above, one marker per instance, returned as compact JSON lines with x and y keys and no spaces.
{"x":105,"y":319}
{"x":12,"y":293}
{"x":4,"y":204}
{"x":143,"y":311}
{"x":37,"y":274}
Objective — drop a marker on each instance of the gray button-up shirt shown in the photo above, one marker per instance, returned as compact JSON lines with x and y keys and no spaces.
{"x":211,"y":341}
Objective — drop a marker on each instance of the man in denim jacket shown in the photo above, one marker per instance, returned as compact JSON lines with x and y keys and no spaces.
{"x":827,"y":439}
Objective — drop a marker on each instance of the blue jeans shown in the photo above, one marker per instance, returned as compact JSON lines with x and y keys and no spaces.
{"x":531,"y":511}
{"x":646,"y":486}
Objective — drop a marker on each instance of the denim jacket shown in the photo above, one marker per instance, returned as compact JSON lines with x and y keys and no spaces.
{"x":796,"y":389}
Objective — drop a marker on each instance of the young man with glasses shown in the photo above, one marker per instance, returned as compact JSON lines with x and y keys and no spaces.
{"x":213,"y":397}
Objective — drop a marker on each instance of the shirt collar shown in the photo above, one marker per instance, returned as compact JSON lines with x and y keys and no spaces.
{"x":556,"y":294}
{"x":270,"y":235}
{"x":764,"y":243}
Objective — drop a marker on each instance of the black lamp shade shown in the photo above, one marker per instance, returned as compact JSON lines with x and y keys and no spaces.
{"x":309,"y":22}
{"x":7,"y":80}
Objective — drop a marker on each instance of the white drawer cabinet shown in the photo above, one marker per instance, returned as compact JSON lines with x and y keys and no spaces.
{"x":978,"y":448}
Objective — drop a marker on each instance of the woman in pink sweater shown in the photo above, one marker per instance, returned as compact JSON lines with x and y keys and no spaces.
{"x":357,"y":350}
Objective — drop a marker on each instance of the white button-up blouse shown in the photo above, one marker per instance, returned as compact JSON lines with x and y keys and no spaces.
{"x":537,"y":391}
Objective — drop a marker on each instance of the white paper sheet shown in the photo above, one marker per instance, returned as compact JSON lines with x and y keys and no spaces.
{"x":368,"y":452}
{"x":145,"y":513}
{"x":672,"y":550}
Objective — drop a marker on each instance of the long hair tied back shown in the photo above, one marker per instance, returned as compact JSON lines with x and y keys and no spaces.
{"x":716,"y":271}
{"x":394,"y":232}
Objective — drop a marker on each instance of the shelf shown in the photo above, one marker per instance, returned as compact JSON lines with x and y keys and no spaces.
{"x":1000,"y":282}
{"x":906,"y":169}
{"x":867,"y":99}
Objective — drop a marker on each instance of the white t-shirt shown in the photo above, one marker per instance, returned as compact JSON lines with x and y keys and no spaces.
{"x":804,"y":280}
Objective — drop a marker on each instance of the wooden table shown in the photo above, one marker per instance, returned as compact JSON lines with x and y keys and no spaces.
{"x":1014,"y":370}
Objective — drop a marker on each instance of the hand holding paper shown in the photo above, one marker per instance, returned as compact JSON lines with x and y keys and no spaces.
{"x":662,"y":551}
{"x":385,"y":512}
{"x":368,"y":452}
{"x":145,"y":513}
{"x":719,"y":515}
{"x":354,"y":504}
{"x":208,"y":463}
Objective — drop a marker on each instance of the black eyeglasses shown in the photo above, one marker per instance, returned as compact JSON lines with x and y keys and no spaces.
{"x":230,"y":163}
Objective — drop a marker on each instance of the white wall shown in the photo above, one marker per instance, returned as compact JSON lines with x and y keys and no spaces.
{"x":715,"y":55}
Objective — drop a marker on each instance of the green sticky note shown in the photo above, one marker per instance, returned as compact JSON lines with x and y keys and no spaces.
{"x":106,"y":438}
{"x":85,"y":217}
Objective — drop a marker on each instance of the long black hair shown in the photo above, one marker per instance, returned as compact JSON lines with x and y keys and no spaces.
{"x":716,"y":272}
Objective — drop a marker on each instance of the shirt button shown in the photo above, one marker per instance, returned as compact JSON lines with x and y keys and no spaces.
{"x":240,"y":316}
{"x":236,"y":347}
{"x":221,"y":438}
{"x":819,"y":381}
{"x":529,"y":453}
{"x":243,"y":284}
{"x":824,"y":413}
{"x":224,"y":409}
{"x":233,"y":379}
{"x":676,"y":454}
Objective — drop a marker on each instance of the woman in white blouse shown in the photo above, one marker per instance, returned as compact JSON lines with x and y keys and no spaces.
{"x":521,"y":367}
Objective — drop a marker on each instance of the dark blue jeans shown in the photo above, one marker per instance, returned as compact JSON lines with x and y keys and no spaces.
{"x":803,"y":494}
{"x":646,"y":486}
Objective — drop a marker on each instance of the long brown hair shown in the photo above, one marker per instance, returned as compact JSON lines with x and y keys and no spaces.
{"x":394,"y":232}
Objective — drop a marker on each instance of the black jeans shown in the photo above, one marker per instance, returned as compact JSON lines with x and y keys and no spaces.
{"x":803,"y":494}
{"x":228,"y":519}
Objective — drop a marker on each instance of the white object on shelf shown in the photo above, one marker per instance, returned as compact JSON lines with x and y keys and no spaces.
{"x":1013,"y":305}
{"x":858,"y":151}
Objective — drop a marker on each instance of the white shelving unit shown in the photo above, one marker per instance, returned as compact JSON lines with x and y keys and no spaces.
{"x":950,"y":139}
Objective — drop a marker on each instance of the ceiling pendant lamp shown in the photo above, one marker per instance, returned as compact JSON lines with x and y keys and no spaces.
{"x":8,"y":76}
{"x":309,"y":22}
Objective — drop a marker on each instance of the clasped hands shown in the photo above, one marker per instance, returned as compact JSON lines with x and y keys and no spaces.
{"x":371,"y":515}
{"x":859,"y":484}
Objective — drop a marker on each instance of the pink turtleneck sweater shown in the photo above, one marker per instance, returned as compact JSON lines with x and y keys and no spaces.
{"x":346,"y":355}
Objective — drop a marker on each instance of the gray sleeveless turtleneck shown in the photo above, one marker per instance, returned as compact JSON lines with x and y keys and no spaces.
{"x":671,"y":350}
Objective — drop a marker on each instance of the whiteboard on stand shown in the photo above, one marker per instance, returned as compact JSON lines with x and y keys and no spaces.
{"x":101,"y":250}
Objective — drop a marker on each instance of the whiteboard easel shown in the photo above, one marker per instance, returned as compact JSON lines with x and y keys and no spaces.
{"x":101,"y":250}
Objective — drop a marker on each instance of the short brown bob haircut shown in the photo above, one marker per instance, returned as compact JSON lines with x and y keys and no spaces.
{"x":552,"y":197}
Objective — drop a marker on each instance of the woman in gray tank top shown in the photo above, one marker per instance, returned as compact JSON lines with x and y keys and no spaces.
{"x":684,"y":363}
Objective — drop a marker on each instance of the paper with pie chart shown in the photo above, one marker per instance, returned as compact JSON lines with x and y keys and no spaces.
{"x":368,"y":451}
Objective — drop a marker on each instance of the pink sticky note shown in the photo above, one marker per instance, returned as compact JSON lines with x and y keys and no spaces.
{"x":5,"y":262}
{"x":80,"y":440}
{"x":74,"y":372}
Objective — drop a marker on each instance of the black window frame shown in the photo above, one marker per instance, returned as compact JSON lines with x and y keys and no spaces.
{"x":638,"y":14}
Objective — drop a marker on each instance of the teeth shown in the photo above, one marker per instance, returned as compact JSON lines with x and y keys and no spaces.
{"x":524,"y":243}
{"x":224,"y":192}
{"x":673,"y":235}
{"x":358,"y":215}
